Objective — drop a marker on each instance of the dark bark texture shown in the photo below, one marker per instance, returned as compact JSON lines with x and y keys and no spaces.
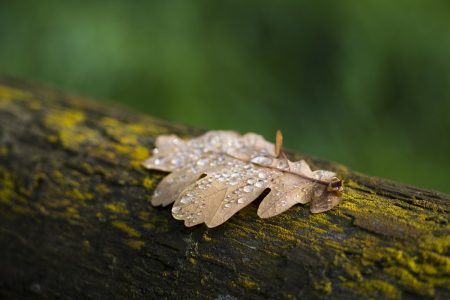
{"x":75,"y":221}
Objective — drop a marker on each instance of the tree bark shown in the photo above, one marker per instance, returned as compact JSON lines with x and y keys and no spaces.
{"x":75,"y":220}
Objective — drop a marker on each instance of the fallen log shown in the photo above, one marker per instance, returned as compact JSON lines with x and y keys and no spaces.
{"x":75,"y":220}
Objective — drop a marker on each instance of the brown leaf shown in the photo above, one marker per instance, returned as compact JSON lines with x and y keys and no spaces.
{"x":219,"y":173}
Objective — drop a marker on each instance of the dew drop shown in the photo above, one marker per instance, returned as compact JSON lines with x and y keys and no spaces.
{"x":159,"y":161}
{"x":175,"y":161}
{"x":202,"y":162}
{"x":318,"y":193}
{"x":283,"y":164}
{"x":227,"y":205}
{"x":262,"y":175}
{"x":185,"y":200}
{"x":259,"y":183}
{"x":262,"y":160}
{"x":241,"y":200}
{"x":178,"y":216}
{"x":248,"y":188}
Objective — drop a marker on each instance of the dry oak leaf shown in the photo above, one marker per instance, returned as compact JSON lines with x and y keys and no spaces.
{"x":215,"y":175}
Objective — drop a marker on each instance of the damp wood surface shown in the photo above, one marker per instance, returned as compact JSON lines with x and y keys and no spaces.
{"x":75,"y":220}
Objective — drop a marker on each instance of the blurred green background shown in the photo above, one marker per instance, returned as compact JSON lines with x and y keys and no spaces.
{"x":364,"y":83}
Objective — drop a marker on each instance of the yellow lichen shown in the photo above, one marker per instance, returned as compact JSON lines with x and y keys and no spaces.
{"x":247,"y":282}
{"x":6,"y":187}
{"x":78,"y":195}
{"x":144,"y":215}
{"x":118,"y":208}
{"x":72,"y":212}
{"x":34,"y":104}
{"x":437,"y":244}
{"x":149,"y":226}
{"x":135,"y":244}
{"x":56,"y":203}
{"x":124,"y":130}
{"x":3,"y":151}
{"x":206,"y":237}
{"x":124,"y":227}
{"x":100,"y":216}
{"x":86,"y":245}
{"x":352,"y":270}
{"x":21,"y":209}
{"x":440,"y":263}
{"x":410,"y":282}
{"x":64,"y":119}
{"x":8,"y":93}
{"x":374,"y":288}
{"x":148,"y":183}
{"x":324,"y":286}
{"x":102,"y":188}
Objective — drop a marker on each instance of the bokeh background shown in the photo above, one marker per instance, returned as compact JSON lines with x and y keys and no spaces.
{"x":364,"y":83}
